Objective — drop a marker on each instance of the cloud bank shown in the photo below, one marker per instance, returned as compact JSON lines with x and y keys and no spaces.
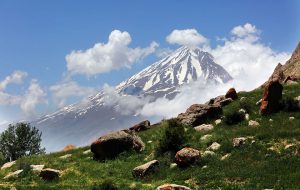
{"x":101,"y":58}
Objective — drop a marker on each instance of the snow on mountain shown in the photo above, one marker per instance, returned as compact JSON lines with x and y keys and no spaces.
{"x":83,"y":122}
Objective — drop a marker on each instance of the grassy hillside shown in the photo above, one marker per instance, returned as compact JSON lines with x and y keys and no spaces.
{"x":264,"y":163}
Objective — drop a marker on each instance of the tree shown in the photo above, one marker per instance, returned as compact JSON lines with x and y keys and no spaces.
{"x":20,"y":140}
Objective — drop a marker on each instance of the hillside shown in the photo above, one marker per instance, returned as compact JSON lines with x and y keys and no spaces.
{"x":269,"y":160}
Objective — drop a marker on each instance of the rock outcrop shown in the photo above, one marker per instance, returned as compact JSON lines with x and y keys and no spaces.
{"x":49,"y":174}
{"x":187,"y":156}
{"x":13,"y":174}
{"x":231,"y":93}
{"x":111,"y":145}
{"x":198,"y":114}
{"x":144,"y":125}
{"x":145,"y":169}
{"x":8,"y":165}
{"x":271,"y":98}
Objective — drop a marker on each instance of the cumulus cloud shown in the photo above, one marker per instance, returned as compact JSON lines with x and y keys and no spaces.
{"x":34,"y":96}
{"x":102,"y":58}
{"x":246,"y":30}
{"x":187,"y":37}
{"x":16,"y":77}
{"x":63,"y":91}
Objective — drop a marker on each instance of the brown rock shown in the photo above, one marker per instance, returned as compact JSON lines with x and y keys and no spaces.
{"x":69,"y":147}
{"x":111,"y":145}
{"x":239,"y":141}
{"x":198,"y":114}
{"x":271,"y":97}
{"x":49,"y":174}
{"x":172,"y":187}
{"x":289,"y":78}
{"x":231,"y":93}
{"x":145,"y":169}
{"x":144,"y":125}
{"x":186,"y":157}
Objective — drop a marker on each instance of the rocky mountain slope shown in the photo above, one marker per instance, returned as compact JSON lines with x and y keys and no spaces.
{"x":81,"y":123}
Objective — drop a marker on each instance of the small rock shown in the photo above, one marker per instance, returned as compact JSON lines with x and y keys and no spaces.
{"x":13,"y":188}
{"x":132,"y":186}
{"x":253,"y":123}
{"x":204,"y":167}
{"x":8,"y":165}
{"x":149,"y":142}
{"x":237,"y":142}
{"x":218,"y":121}
{"x":258,"y":102}
{"x":242,"y":111}
{"x":247,"y":116}
{"x":214,"y":146}
{"x":172,"y":187}
{"x":37,"y":168}
{"x":187,"y":156}
{"x":65,"y":156}
{"x":145,"y":169}
{"x":49,"y":174}
{"x":297,"y":98}
{"x":225,"y":156}
{"x":243,"y":98}
{"x":204,"y":128}
{"x":86,"y":152}
{"x":173,"y":165}
{"x":288,"y":146}
{"x":13,"y":174}
{"x":208,"y":153}
{"x":291,"y":118}
{"x":144,"y":125}
{"x":206,"y":137}
{"x":270,"y":120}
{"x":231,"y":93}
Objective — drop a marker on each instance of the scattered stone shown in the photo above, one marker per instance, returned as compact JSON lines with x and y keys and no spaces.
{"x":247,"y":116}
{"x":204,"y":167}
{"x":243,"y":98}
{"x":237,"y":142}
{"x":225,"y":156}
{"x":132,"y":186}
{"x":205,"y":137}
{"x":218,"y":121}
{"x":37,"y":168}
{"x":291,"y":118}
{"x":198,"y":114}
{"x":86,"y":152}
{"x":172,"y":187}
{"x":149,"y":142}
{"x":173,"y":165}
{"x":258,"y":102}
{"x":187,"y":156}
{"x":242,"y":111}
{"x":145,"y":169}
{"x":231,"y":93}
{"x":13,"y":174}
{"x":225,"y":102}
{"x":290,"y":82}
{"x":270,"y":120}
{"x":144,"y":125}
{"x":65,"y":156}
{"x":253,"y":123}
{"x":111,"y":145}
{"x":8,"y":165}
{"x":208,"y":153}
{"x":289,"y":146}
{"x":297,"y":98}
{"x":69,"y":147}
{"x":204,"y":128}
{"x":49,"y":174}
{"x":214,"y":146}
{"x":271,"y":97}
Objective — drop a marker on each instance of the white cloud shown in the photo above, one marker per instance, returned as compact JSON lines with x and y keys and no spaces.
{"x":187,"y":37}
{"x":242,"y":31}
{"x":63,"y":91}
{"x":102,"y":58}
{"x":16,"y":77}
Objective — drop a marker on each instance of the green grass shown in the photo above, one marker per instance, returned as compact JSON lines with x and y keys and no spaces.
{"x":253,"y":166}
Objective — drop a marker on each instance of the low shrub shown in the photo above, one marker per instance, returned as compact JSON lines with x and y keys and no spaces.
{"x":105,"y":185}
{"x":246,"y":105}
{"x":289,"y":104}
{"x":233,"y":116}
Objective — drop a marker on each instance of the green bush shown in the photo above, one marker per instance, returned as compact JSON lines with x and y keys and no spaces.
{"x":25,"y":166}
{"x":289,"y":104}
{"x":173,"y":137}
{"x":246,"y":105}
{"x":105,"y":185}
{"x":233,"y":116}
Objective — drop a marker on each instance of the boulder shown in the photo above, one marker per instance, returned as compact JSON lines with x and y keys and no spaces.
{"x":204,"y":128}
{"x":231,"y":93}
{"x":172,"y":187}
{"x":198,"y":114}
{"x":37,"y":168}
{"x":186,"y":157}
{"x":144,"y":125}
{"x":8,"y":165}
{"x":237,"y":142}
{"x":253,"y":123}
{"x":219,"y":101}
{"x":86,"y":152}
{"x":214,"y":146}
{"x":111,"y":145}
{"x":289,"y":78}
{"x":13,"y":174}
{"x":49,"y":174}
{"x":206,"y":137}
{"x":145,"y":169}
{"x":69,"y":147}
{"x":218,"y":121}
{"x":65,"y":156}
{"x":271,"y":97}
{"x":208,"y":153}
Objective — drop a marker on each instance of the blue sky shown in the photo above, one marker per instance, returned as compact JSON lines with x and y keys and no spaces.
{"x":36,"y":36}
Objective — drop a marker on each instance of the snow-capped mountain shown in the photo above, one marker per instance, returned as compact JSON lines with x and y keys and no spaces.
{"x":83,"y":122}
{"x":165,"y":76}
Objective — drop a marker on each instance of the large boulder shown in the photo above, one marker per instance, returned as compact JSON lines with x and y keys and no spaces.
{"x":172,"y":187}
{"x":49,"y":174}
{"x":187,"y":156}
{"x":144,"y":125}
{"x":231,"y":93}
{"x":271,"y":98}
{"x":204,"y":128}
{"x":219,"y":101}
{"x":8,"y":165}
{"x":145,"y":169}
{"x":198,"y":114}
{"x":111,"y":145}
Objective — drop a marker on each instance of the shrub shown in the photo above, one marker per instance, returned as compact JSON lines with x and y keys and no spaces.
{"x":233,"y":116}
{"x":246,"y":105}
{"x":289,"y":104}
{"x":173,"y":137}
{"x":25,"y":166}
{"x":105,"y":185}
